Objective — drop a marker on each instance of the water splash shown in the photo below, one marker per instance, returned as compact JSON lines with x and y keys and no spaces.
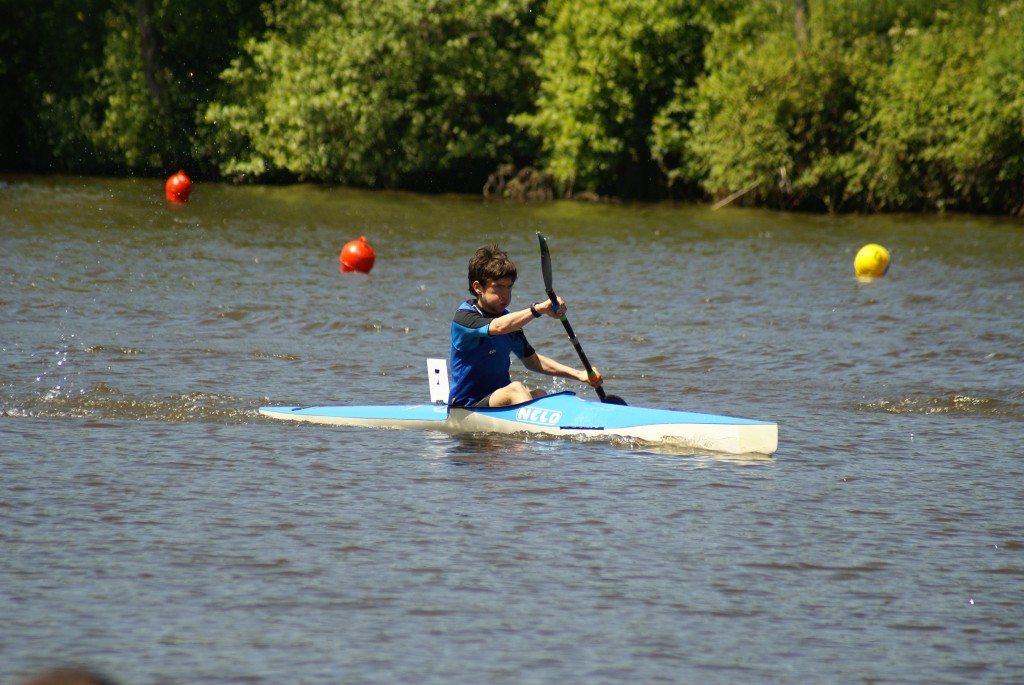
{"x":101,"y":401}
{"x":949,"y":403}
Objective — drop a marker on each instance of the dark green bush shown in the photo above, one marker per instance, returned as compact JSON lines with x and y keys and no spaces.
{"x":606,"y":71}
{"x":396,"y":93}
{"x":926,"y":117}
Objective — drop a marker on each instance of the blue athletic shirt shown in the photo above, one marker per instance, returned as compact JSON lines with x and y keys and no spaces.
{"x":480,"y":361}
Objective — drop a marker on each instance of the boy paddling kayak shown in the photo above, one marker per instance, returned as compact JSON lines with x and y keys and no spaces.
{"x":485,"y":333}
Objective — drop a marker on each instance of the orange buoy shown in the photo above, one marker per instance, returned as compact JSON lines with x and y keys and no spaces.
{"x":357,"y":255}
{"x":178,"y":187}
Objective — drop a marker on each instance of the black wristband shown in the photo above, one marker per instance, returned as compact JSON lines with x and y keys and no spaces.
{"x":533,"y":311}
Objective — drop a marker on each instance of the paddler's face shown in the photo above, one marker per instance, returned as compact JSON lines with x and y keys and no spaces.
{"x":496,"y":296}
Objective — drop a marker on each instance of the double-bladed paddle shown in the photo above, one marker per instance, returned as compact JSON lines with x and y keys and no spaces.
{"x":545,"y":265}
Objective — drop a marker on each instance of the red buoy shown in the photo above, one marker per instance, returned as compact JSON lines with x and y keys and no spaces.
{"x":357,"y":255}
{"x":178,"y":188}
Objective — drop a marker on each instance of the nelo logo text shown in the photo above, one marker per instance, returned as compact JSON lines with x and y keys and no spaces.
{"x":541,"y":417}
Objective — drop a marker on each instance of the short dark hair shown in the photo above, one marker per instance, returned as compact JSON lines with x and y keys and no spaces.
{"x":489,"y":263}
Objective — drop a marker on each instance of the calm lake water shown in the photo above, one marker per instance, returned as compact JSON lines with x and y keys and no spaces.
{"x":154,"y":527}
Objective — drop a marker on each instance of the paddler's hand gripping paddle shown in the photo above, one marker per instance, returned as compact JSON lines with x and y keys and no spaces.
{"x":545,"y":265}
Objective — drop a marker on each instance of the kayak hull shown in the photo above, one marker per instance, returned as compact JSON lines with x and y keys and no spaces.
{"x":561,"y":414}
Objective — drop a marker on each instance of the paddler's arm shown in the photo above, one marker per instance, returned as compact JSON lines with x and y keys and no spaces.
{"x":514,"y":321}
{"x":546,"y":365}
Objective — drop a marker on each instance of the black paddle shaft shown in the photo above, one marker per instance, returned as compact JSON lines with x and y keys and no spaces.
{"x":545,"y":264}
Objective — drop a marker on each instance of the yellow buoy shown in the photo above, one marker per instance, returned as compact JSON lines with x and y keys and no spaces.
{"x":872,"y":261}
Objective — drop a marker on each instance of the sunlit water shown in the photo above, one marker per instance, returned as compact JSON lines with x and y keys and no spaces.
{"x":154,"y":527}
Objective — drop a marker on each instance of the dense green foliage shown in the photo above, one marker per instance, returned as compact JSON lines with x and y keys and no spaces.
{"x":403,"y":93}
{"x":85,"y":100}
{"x":920,"y":110}
{"x":837,"y":105}
{"x":606,"y":70}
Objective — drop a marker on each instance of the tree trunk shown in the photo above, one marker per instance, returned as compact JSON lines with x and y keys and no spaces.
{"x":803,"y":17}
{"x":149,"y":42}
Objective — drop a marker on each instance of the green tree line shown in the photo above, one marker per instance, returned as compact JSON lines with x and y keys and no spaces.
{"x":820,"y":105}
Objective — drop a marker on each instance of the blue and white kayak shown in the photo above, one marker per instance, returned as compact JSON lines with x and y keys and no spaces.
{"x":562,"y":414}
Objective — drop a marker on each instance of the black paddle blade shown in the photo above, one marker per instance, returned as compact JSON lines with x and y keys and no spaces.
{"x":545,"y":262}
{"x":613,"y":399}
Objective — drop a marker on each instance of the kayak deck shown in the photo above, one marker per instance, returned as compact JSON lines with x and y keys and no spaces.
{"x":560,"y":414}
